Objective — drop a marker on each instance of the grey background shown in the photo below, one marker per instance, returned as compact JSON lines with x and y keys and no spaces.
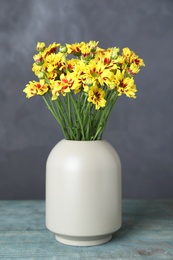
{"x":140,"y":130}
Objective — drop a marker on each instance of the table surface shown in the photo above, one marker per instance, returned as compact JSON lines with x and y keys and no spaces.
{"x":146,"y":233}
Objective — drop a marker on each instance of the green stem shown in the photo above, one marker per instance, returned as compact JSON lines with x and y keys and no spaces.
{"x":65,"y":114}
{"x":78,"y":116}
{"x":109,"y":112}
{"x":88,"y":123}
{"x":55,"y":115}
{"x":69,"y":114}
{"x":101,"y":125}
{"x":74,"y":120}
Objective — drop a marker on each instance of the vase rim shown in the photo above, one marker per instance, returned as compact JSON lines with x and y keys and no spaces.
{"x":83,"y":140}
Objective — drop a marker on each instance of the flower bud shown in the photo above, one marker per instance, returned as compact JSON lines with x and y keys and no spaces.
{"x":41,"y":75}
{"x":88,"y":82}
{"x":40,"y":46}
{"x":87,"y":57}
{"x":38,"y":59}
{"x":63,"y":49}
{"x":93,"y":45}
{"x":115,"y":52}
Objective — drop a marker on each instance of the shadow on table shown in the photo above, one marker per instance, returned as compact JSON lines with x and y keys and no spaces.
{"x":135,"y":215}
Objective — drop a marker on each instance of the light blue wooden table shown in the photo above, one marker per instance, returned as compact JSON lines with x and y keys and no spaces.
{"x":146,"y":233}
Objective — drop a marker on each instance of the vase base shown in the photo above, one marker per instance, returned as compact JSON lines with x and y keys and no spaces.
{"x":83,"y":241}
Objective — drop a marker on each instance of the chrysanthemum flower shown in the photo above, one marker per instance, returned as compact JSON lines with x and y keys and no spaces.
{"x":64,"y":85}
{"x":133,"y":69}
{"x":36,"y":88}
{"x":74,"y":48}
{"x":127,"y":54}
{"x":36,"y":69}
{"x":131,"y":57}
{"x":71,"y":64}
{"x":50,"y":49}
{"x":80,"y":74}
{"x":55,"y":61}
{"x":96,"y":96}
{"x":106,"y":59}
{"x":126,"y":85}
{"x":85,"y":50}
{"x":98,"y":72}
{"x":139,"y":62}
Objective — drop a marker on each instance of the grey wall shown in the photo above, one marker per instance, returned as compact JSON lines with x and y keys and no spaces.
{"x":140,"y":130}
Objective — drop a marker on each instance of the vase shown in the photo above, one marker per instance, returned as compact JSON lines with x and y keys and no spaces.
{"x":83,"y":192}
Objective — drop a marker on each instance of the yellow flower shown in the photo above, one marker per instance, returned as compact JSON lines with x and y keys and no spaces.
{"x":36,"y":69}
{"x":56,"y":89}
{"x":36,"y":88}
{"x":74,"y":48}
{"x":96,"y":96}
{"x":82,"y":48}
{"x":98,"y":72}
{"x":127,"y":53}
{"x":139,"y":61}
{"x":120,"y":61}
{"x":64,"y":85}
{"x":131,"y":57}
{"x":55,"y":61}
{"x":71,"y":64}
{"x":85,"y":50}
{"x":126,"y":85}
{"x":50,"y":49}
{"x":106,"y":59}
{"x":77,"y":83}
{"x":52,"y":75}
{"x":80,"y":74}
{"x":133,"y":69}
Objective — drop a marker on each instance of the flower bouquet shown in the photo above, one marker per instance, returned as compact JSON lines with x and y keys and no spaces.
{"x":80,"y":84}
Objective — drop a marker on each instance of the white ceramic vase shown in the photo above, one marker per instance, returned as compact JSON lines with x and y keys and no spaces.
{"x":83,"y":192}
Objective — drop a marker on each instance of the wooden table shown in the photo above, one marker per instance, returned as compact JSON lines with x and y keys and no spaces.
{"x":146,"y":233}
